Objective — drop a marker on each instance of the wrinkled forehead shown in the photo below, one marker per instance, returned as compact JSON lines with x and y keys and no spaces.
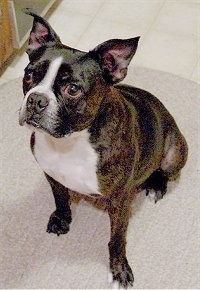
{"x":46,"y":56}
{"x":56,"y":61}
{"x":69,"y":55}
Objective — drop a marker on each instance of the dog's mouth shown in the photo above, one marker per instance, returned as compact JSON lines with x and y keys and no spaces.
{"x":28,"y":120}
{"x":41,"y":125}
{"x":33,"y":123}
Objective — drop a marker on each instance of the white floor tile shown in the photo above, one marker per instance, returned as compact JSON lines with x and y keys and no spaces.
{"x":131,"y":12}
{"x":100,"y":31}
{"x":69,"y":26}
{"x":166,"y":52}
{"x":16,"y":68}
{"x":87,"y":7}
{"x":181,"y":18}
{"x":195,"y":76}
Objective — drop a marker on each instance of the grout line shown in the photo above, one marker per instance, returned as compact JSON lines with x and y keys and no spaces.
{"x":155,"y":19}
{"x":128,"y":25}
{"x":198,"y":71}
{"x":100,"y":7}
{"x":198,"y":56}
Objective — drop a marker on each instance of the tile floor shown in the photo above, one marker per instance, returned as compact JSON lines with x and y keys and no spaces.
{"x":169,"y":30}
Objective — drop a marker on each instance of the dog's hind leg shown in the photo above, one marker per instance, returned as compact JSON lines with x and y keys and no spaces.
{"x":61,"y":218}
{"x":174,"y":158}
{"x":175,"y":155}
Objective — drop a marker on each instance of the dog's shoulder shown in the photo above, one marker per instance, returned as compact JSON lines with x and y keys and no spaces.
{"x":143,"y":101}
{"x":135,"y":94}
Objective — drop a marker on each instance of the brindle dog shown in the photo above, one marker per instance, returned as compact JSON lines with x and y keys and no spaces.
{"x":94,"y":139}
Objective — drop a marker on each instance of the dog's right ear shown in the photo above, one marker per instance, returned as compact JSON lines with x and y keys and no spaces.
{"x":114,"y":57}
{"x":41,"y":34}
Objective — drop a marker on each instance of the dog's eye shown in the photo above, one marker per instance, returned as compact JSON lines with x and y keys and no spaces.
{"x":28,"y":76}
{"x":72,"y":90}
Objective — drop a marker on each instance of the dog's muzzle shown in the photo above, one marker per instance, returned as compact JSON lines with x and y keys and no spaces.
{"x":36,"y":104}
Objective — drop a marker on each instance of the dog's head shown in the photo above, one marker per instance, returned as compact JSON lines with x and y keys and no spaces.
{"x":64,"y":87}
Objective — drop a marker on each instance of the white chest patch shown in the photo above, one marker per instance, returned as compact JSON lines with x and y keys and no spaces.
{"x":70,"y":160}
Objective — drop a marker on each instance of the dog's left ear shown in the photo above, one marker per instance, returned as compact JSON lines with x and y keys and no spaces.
{"x":41,"y":34}
{"x":114,"y":57}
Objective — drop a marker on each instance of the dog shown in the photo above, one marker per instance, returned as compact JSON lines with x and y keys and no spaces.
{"x":93,"y":138}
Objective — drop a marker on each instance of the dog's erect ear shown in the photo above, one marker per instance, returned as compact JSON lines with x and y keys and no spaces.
{"x":41,"y":33}
{"x":114,"y":57}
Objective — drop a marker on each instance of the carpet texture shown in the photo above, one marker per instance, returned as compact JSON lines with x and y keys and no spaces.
{"x":163,"y":239}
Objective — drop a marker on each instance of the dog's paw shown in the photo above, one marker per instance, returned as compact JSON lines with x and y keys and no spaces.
{"x":58,"y":224}
{"x":156,"y":185}
{"x":154,"y":195}
{"x":113,"y":284}
{"x":121,"y":276}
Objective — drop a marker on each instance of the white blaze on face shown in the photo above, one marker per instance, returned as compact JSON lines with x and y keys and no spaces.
{"x":45,"y":86}
{"x":51,"y":74}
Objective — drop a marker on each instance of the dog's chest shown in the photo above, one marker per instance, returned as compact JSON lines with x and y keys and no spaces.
{"x":72,"y":160}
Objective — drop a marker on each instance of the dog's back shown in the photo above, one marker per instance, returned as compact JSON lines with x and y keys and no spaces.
{"x":156,"y":127}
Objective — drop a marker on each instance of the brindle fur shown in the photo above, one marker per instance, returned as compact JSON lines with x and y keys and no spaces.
{"x":132,"y":132}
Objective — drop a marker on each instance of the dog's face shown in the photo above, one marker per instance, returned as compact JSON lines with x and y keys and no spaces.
{"x":64,"y":87}
{"x":57,"y":87}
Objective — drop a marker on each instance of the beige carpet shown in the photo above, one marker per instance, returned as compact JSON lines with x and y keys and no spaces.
{"x":163,"y":239}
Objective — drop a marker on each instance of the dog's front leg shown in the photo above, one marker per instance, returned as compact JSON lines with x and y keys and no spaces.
{"x":61,"y":218}
{"x":119,"y":213}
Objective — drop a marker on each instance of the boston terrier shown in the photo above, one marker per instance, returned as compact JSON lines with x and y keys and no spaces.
{"x":94,"y":139}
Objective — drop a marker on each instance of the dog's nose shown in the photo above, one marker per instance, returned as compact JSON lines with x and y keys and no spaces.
{"x":37,"y":103}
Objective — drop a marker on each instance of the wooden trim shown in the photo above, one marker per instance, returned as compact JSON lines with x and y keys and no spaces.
{"x":6,"y":45}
